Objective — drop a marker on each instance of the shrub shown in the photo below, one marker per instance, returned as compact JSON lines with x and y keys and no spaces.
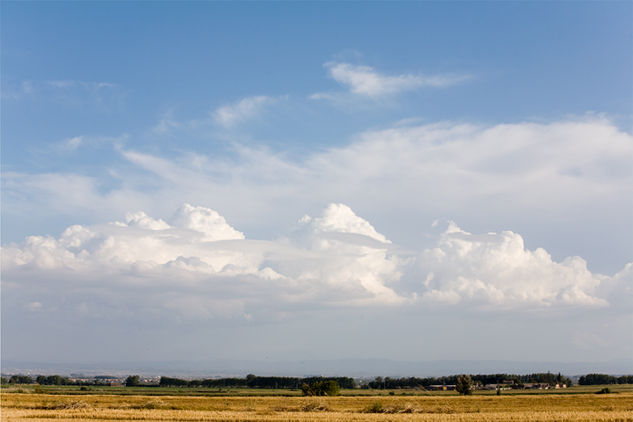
{"x":376,"y":407}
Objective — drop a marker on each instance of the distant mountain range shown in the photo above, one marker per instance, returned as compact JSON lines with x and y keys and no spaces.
{"x":358,"y":368}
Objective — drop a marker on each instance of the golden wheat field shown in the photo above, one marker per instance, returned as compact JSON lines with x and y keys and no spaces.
{"x":570,"y":407}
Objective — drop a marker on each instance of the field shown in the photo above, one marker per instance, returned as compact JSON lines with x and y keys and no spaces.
{"x":108,"y":405}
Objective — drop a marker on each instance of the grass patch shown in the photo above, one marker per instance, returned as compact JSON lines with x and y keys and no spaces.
{"x":64,"y":405}
{"x":315,"y":407}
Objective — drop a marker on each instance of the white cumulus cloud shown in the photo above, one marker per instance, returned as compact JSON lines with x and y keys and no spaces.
{"x":340,"y":218}
{"x":199,"y":266}
{"x":206,"y":221}
{"x":200,"y":259}
{"x":533,"y":178}
{"x":497,"y":270}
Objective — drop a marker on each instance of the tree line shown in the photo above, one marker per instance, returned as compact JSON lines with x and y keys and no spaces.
{"x":597,"y":379}
{"x":254,"y":381}
{"x":482,"y":379}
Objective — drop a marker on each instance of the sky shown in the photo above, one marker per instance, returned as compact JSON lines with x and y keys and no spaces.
{"x":291,"y":181}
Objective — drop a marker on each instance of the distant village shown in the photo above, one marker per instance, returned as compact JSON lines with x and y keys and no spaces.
{"x":506,"y":385}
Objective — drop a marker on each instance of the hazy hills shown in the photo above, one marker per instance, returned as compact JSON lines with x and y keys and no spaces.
{"x":340,"y":367}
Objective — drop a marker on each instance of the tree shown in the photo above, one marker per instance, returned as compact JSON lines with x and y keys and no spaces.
{"x":132,"y":381}
{"x":306,"y":390}
{"x":464,"y":385}
{"x":331,"y":388}
{"x":597,"y":379}
{"x":172,"y":382}
{"x":321,"y":388}
{"x":20,"y":379}
{"x":54,"y":380}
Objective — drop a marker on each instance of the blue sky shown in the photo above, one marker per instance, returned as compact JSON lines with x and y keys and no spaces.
{"x":526,"y":61}
{"x":446,"y":156}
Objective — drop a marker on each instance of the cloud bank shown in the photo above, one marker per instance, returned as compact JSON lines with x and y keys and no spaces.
{"x":196,"y":265}
{"x":527,"y":176}
{"x":241,"y":266}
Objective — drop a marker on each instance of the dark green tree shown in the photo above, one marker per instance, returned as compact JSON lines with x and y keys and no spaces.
{"x":20,"y":379}
{"x":55,"y":380}
{"x":331,"y":388}
{"x":306,"y":390}
{"x":464,"y":385}
{"x":132,"y":381}
{"x":172,"y":382}
{"x":321,"y":388}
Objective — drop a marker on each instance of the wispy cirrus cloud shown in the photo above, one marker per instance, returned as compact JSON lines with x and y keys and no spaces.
{"x":73,"y":143}
{"x":18,"y":91}
{"x":92,"y":86}
{"x":366,"y":81}
{"x":226,"y":116}
{"x":244,"y":109}
{"x":69,"y":92}
{"x":167,"y":123}
{"x":76,"y":142}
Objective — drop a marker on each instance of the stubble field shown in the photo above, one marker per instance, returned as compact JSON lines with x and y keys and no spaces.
{"x":108,"y":407}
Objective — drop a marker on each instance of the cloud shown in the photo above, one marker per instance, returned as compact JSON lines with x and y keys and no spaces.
{"x":225,"y":117}
{"x":244,"y":109}
{"x":527,"y":176}
{"x":618,"y":290}
{"x":62,"y":191}
{"x":498,"y":271}
{"x":207,"y":222}
{"x":165,"y":125}
{"x":19,"y":91}
{"x":34,"y":306}
{"x":76,"y":142}
{"x":340,"y":218}
{"x":199,"y":266}
{"x":72,"y":143}
{"x":73,"y":93}
{"x":365,"y":81}
{"x":90,"y":86}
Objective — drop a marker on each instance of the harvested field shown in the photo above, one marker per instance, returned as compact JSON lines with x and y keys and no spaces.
{"x":584,"y":407}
